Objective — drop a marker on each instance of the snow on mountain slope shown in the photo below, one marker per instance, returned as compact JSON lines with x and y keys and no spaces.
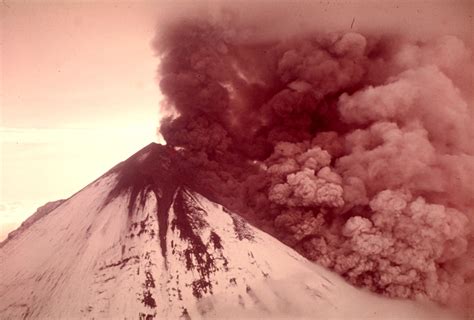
{"x":140,"y":243}
{"x":40,"y":213}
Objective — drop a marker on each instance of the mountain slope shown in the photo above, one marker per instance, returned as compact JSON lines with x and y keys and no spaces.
{"x":141,"y":243}
{"x":40,"y":213}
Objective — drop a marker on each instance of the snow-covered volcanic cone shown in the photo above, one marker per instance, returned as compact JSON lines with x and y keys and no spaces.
{"x":142,"y":242}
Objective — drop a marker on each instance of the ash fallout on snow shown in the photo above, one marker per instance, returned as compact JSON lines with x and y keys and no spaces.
{"x":352,"y":146}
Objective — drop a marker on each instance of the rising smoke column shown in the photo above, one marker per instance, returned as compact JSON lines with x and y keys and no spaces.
{"x":354,"y":149}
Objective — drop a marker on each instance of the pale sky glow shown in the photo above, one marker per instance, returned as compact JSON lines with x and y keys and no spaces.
{"x":55,"y":163}
{"x":77,"y":94}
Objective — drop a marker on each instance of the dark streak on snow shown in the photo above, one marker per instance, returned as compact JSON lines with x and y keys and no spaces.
{"x":155,"y":168}
{"x":147,"y":171}
{"x":241,"y":228}
{"x":148,"y":283}
{"x":216,"y":241}
{"x":122,"y":263}
{"x":143,"y":226}
{"x":180,"y":295}
{"x":325,"y":278}
{"x":108,"y":279}
{"x":188,"y":222}
{"x":255,"y":299}
{"x":314,"y":292}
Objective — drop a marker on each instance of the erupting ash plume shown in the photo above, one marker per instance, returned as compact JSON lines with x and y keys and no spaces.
{"x":355,"y":148}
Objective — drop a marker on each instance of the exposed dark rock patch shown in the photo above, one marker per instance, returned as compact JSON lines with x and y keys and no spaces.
{"x":150,"y":281}
{"x":148,"y":300}
{"x":145,"y":316}
{"x":216,"y":241}
{"x":201,"y":286}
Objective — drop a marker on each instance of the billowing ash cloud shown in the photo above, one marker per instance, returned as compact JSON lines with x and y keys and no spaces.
{"x":355,"y":148}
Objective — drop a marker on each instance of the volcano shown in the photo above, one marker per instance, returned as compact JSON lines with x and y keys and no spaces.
{"x":145,"y":242}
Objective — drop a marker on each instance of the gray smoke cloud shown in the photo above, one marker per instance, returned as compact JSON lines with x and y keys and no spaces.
{"x":346,"y":134}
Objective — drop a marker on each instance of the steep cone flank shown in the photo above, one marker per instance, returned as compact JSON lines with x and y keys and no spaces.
{"x":143,"y":242}
{"x":156,"y":169}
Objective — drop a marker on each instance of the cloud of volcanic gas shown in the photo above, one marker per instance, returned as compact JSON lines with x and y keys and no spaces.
{"x":355,"y":148}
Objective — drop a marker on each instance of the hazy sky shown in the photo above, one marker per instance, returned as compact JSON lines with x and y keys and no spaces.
{"x":78,"y":94}
{"x":77,"y":79}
